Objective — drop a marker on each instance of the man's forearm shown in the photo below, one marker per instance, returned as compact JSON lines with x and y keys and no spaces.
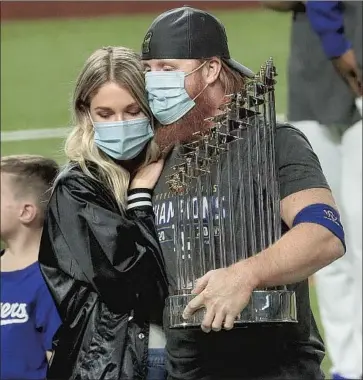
{"x":297,"y":255}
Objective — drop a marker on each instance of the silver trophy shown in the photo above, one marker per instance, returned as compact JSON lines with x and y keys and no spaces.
{"x":228,"y":202}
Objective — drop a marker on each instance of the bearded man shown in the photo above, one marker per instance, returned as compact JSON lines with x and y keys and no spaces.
{"x":189,"y":72}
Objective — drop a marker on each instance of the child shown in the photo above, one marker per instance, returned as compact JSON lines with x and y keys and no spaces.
{"x":29,"y":318}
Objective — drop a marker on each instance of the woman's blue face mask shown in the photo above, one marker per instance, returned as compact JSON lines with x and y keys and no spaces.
{"x":168,"y":98}
{"x":123,"y":140}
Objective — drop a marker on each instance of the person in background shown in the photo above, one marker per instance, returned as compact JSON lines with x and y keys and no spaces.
{"x":325,"y":103}
{"x":99,"y":252}
{"x":29,"y":318}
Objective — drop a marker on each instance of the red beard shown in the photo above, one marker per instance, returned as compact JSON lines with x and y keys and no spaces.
{"x":183,"y":130}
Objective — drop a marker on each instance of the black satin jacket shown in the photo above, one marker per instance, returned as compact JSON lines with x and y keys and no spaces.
{"x":106,"y":273}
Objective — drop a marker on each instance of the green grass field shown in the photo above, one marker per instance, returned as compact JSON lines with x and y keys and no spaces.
{"x":40,"y":61}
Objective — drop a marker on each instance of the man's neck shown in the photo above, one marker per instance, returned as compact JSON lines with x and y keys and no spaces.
{"x":21,"y":250}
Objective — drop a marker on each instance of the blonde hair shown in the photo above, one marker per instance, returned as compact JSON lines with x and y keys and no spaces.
{"x":31,"y":174}
{"x":111,"y":64}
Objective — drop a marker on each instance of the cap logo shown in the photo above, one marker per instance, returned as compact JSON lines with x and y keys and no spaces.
{"x":146,"y":43}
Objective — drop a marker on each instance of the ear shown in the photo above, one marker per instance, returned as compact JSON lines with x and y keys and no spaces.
{"x":28,"y":213}
{"x":211,"y":70}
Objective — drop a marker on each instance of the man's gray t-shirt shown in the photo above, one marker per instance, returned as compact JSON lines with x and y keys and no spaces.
{"x":255,"y":351}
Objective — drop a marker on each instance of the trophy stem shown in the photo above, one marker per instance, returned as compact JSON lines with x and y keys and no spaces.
{"x":231,"y":207}
{"x":242,"y":199}
{"x":272,"y":126}
{"x":222,"y":234}
{"x":192,"y":260}
{"x":187,"y":260}
{"x":210,"y":213}
{"x":251,"y":196}
{"x":200,"y":216}
{"x":268,"y":166}
{"x":178,"y":244}
{"x":260,"y":201}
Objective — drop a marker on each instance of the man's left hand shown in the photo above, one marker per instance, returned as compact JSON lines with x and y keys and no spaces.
{"x":224,"y":293}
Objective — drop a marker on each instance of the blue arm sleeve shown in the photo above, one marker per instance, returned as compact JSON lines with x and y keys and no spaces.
{"x":326,"y":19}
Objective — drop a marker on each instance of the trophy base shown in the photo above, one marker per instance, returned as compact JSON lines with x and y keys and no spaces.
{"x":265,"y":306}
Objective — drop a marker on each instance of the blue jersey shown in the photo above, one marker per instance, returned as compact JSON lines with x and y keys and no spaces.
{"x":29,"y":320}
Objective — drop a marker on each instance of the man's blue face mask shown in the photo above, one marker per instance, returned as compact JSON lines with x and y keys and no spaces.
{"x":123,"y":140}
{"x":168,"y":99}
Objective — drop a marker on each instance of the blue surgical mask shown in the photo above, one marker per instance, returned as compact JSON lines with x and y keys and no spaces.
{"x":123,"y":140}
{"x":168,"y":99}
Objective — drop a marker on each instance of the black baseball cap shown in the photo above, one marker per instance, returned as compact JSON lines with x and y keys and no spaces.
{"x":189,"y":33}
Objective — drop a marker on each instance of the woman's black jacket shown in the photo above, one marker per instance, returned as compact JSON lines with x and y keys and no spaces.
{"x":106,"y":273}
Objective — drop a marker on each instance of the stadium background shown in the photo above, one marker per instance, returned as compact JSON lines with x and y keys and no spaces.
{"x":44,"y":45}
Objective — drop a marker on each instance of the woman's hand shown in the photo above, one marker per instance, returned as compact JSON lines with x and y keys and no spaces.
{"x":147,"y":176}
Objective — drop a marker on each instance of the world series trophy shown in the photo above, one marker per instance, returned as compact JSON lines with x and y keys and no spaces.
{"x":228,"y":202}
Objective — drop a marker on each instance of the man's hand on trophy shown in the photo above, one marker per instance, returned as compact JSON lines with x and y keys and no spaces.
{"x":224,"y":293}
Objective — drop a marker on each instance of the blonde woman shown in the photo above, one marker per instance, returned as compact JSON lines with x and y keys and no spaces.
{"x":99,"y":253}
